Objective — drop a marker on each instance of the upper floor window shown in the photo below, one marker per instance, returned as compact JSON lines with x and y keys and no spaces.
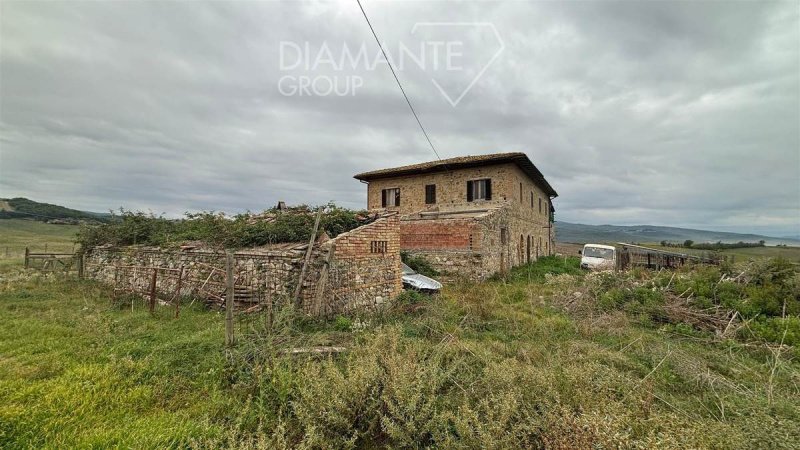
{"x":540,"y":205}
{"x":531,"y":199}
{"x":430,"y":194}
{"x":390,"y":197}
{"x":520,"y":192}
{"x":479,"y":190}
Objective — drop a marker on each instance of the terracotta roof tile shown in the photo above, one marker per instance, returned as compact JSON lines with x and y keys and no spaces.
{"x":462,"y":162}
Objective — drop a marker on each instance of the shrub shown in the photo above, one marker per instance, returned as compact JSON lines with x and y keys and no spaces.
{"x":419,"y":264}
{"x":217,"y":229}
{"x":772,"y":329}
{"x":555,"y":265}
{"x":343,"y":323}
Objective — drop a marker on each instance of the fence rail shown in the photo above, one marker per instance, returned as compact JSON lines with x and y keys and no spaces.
{"x":54,"y":262}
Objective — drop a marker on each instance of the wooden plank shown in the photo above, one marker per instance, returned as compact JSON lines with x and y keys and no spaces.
{"x":229,"y":340}
{"x":178,"y":294}
{"x":153,"y":291}
{"x":311,"y":240}
{"x":323,"y":281}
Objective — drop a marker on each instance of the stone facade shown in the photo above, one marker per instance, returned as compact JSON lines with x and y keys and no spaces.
{"x":362,"y":273}
{"x":471,"y":238}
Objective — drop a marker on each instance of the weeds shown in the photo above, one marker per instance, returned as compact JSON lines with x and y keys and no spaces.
{"x":503,"y":364}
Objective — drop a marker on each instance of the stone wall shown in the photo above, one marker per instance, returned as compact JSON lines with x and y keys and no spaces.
{"x":365,"y":272}
{"x":478,"y":244}
{"x":362,"y":272}
{"x":475,"y":238}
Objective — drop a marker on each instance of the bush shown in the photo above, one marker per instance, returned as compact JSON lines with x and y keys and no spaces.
{"x":343,"y":323}
{"x":772,"y":329}
{"x":555,"y":265}
{"x":419,"y":264}
{"x":217,"y":229}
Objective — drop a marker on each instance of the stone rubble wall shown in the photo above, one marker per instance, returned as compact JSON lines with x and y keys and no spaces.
{"x":357,"y":278}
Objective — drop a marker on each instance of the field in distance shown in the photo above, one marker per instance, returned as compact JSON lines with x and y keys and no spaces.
{"x":16,"y":234}
{"x":739,"y":254}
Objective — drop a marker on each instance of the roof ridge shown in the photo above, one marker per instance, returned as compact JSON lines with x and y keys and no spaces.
{"x":519,"y":158}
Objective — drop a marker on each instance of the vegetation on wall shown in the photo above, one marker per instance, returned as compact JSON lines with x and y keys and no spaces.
{"x":217,"y":229}
{"x":419,"y":264}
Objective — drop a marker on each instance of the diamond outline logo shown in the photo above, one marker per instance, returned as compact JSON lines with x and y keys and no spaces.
{"x":480,"y":74}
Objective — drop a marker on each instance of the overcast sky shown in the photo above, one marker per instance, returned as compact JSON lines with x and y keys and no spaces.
{"x":665,"y":113}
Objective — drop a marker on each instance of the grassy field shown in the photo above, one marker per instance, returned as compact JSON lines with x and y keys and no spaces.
{"x":493,"y":365}
{"x":16,"y":234}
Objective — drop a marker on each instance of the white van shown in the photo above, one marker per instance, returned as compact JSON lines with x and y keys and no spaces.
{"x":598,"y":257}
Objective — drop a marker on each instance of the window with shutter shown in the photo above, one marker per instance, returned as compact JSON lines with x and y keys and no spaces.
{"x":430,"y":194}
{"x":479,"y":190}
{"x":390,"y":197}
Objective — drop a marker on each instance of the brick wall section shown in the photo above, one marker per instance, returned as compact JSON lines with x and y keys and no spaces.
{"x":487,"y":254}
{"x":439,"y":234}
{"x":366,"y":266}
{"x":358,"y":278}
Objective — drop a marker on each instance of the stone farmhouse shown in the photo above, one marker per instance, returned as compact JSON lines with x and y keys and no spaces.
{"x":473,"y":215}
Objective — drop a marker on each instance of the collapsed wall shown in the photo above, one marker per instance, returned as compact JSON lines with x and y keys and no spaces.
{"x":474,"y":243}
{"x":359,"y":269}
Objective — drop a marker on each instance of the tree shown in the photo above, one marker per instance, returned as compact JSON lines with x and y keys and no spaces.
{"x":688,"y":243}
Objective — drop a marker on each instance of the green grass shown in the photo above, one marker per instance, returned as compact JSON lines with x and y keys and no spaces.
{"x":482,"y":365}
{"x":16,"y":234}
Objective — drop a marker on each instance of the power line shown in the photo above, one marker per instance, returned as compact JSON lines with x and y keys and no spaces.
{"x":398,"y":80}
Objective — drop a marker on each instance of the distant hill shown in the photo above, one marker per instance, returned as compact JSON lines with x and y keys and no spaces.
{"x":580,"y":233}
{"x":23,"y":208}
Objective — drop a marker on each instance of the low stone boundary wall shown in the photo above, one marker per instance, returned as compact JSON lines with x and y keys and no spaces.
{"x":363,"y":271}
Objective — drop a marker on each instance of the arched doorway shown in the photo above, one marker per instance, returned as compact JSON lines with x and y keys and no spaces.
{"x":529,"y":249}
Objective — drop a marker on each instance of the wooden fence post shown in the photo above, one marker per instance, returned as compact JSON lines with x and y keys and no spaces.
{"x":27,"y":252}
{"x":229,"y":339}
{"x":178,"y":293}
{"x":307,"y":259}
{"x":80,"y":263}
{"x":268,"y":295}
{"x":153,"y":290}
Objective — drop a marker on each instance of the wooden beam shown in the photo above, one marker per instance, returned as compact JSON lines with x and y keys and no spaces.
{"x":311,"y":240}
{"x":323,"y":281}
{"x":229,"y":339}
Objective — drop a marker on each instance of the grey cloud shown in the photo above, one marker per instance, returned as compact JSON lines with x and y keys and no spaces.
{"x":675,"y":113}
